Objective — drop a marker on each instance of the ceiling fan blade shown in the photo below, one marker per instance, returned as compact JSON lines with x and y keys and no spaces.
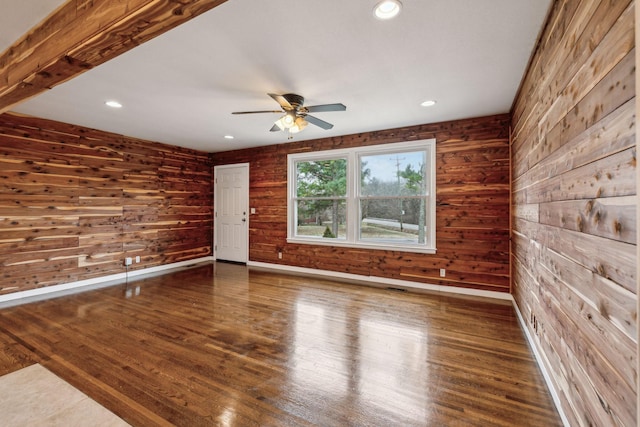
{"x":325,"y":107}
{"x":275,"y":128}
{"x":282,"y":101}
{"x":320,"y":123}
{"x":255,"y":112}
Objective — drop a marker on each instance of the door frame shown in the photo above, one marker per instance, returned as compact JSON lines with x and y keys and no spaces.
{"x":215,"y":211}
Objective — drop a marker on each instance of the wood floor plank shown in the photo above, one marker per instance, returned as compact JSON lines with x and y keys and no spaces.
{"x":226,"y":345}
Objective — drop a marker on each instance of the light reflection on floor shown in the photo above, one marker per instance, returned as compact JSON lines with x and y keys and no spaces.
{"x":382,"y":353}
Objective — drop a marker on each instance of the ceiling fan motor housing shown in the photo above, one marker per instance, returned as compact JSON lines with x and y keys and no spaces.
{"x":295,"y":100}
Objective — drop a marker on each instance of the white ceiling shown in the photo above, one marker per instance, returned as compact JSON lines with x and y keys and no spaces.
{"x":181,"y":87}
{"x":18,"y":16}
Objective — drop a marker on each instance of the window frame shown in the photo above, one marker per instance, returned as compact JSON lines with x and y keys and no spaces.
{"x":353,"y":156}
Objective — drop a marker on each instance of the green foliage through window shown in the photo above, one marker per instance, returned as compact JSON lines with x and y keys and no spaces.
{"x":321,"y":188}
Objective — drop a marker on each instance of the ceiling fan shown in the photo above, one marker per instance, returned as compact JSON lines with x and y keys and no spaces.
{"x":296,"y":115}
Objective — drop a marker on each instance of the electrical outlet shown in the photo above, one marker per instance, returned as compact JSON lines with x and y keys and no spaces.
{"x":128,"y":261}
{"x":137,"y":258}
{"x":443,"y":272}
{"x":279,"y":255}
{"x":253,"y":211}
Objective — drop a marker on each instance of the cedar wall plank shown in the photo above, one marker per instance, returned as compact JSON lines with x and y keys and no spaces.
{"x":75,"y":201}
{"x":472,"y":207}
{"x":574,"y":195}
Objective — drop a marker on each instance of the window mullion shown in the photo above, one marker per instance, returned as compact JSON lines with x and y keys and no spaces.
{"x":352,"y":205}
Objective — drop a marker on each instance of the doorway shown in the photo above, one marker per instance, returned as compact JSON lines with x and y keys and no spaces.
{"x":230,"y":207}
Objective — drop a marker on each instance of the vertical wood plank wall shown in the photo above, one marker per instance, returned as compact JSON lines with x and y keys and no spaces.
{"x":472,"y":179}
{"x":74,"y":202}
{"x":574,"y":208}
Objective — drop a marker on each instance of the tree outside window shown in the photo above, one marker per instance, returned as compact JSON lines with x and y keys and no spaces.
{"x":321,"y":197}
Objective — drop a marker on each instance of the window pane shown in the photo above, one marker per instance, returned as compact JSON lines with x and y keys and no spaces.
{"x":321,"y":178}
{"x":393,"y":174}
{"x":400,"y":220}
{"x":321,"y":218}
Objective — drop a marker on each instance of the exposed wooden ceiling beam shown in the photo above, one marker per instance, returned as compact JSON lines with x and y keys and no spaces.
{"x":83,"y":34}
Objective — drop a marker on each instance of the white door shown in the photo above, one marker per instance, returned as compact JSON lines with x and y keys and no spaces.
{"x":231,"y":204}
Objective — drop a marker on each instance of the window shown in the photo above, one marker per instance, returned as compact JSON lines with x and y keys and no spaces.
{"x":379,"y":197}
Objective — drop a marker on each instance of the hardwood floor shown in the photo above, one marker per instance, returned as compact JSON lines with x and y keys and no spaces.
{"x":231,"y":346}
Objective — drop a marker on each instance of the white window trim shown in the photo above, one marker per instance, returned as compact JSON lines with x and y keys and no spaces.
{"x":352,"y":155}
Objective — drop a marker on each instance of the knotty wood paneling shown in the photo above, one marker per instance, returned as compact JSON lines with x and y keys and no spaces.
{"x":574,"y":248}
{"x":74,"y":202}
{"x":472,"y":193}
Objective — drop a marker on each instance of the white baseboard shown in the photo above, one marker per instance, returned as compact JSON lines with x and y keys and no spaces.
{"x":383,"y":281}
{"x":94,"y":283}
{"x":543,"y":368}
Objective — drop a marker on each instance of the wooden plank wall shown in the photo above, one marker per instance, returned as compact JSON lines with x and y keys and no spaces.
{"x":472,"y":179}
{"x":574,"y":208}
{"x":74,"y":202}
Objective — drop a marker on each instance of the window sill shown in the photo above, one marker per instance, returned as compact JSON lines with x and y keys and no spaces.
{"x":360,"y":245}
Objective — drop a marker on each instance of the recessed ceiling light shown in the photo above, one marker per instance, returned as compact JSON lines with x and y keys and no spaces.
{"x":113,"y":104}
{"x":228,"y":137}
{"x":387,"y":9}
{"x":428,"y":103}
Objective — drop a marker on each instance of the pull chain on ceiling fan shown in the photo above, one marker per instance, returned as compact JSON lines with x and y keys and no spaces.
{"x":296,"y":115}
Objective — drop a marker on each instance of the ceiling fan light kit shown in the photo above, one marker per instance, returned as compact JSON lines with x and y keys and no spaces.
{"x":299,"y":124}
{"x":296,"y":115}
{"x":287,"y":121}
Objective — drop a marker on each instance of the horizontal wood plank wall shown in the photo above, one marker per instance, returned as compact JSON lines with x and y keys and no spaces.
{"x":74,"y":202}
{"x":575,"y":206}
{"x":472,"y":179}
